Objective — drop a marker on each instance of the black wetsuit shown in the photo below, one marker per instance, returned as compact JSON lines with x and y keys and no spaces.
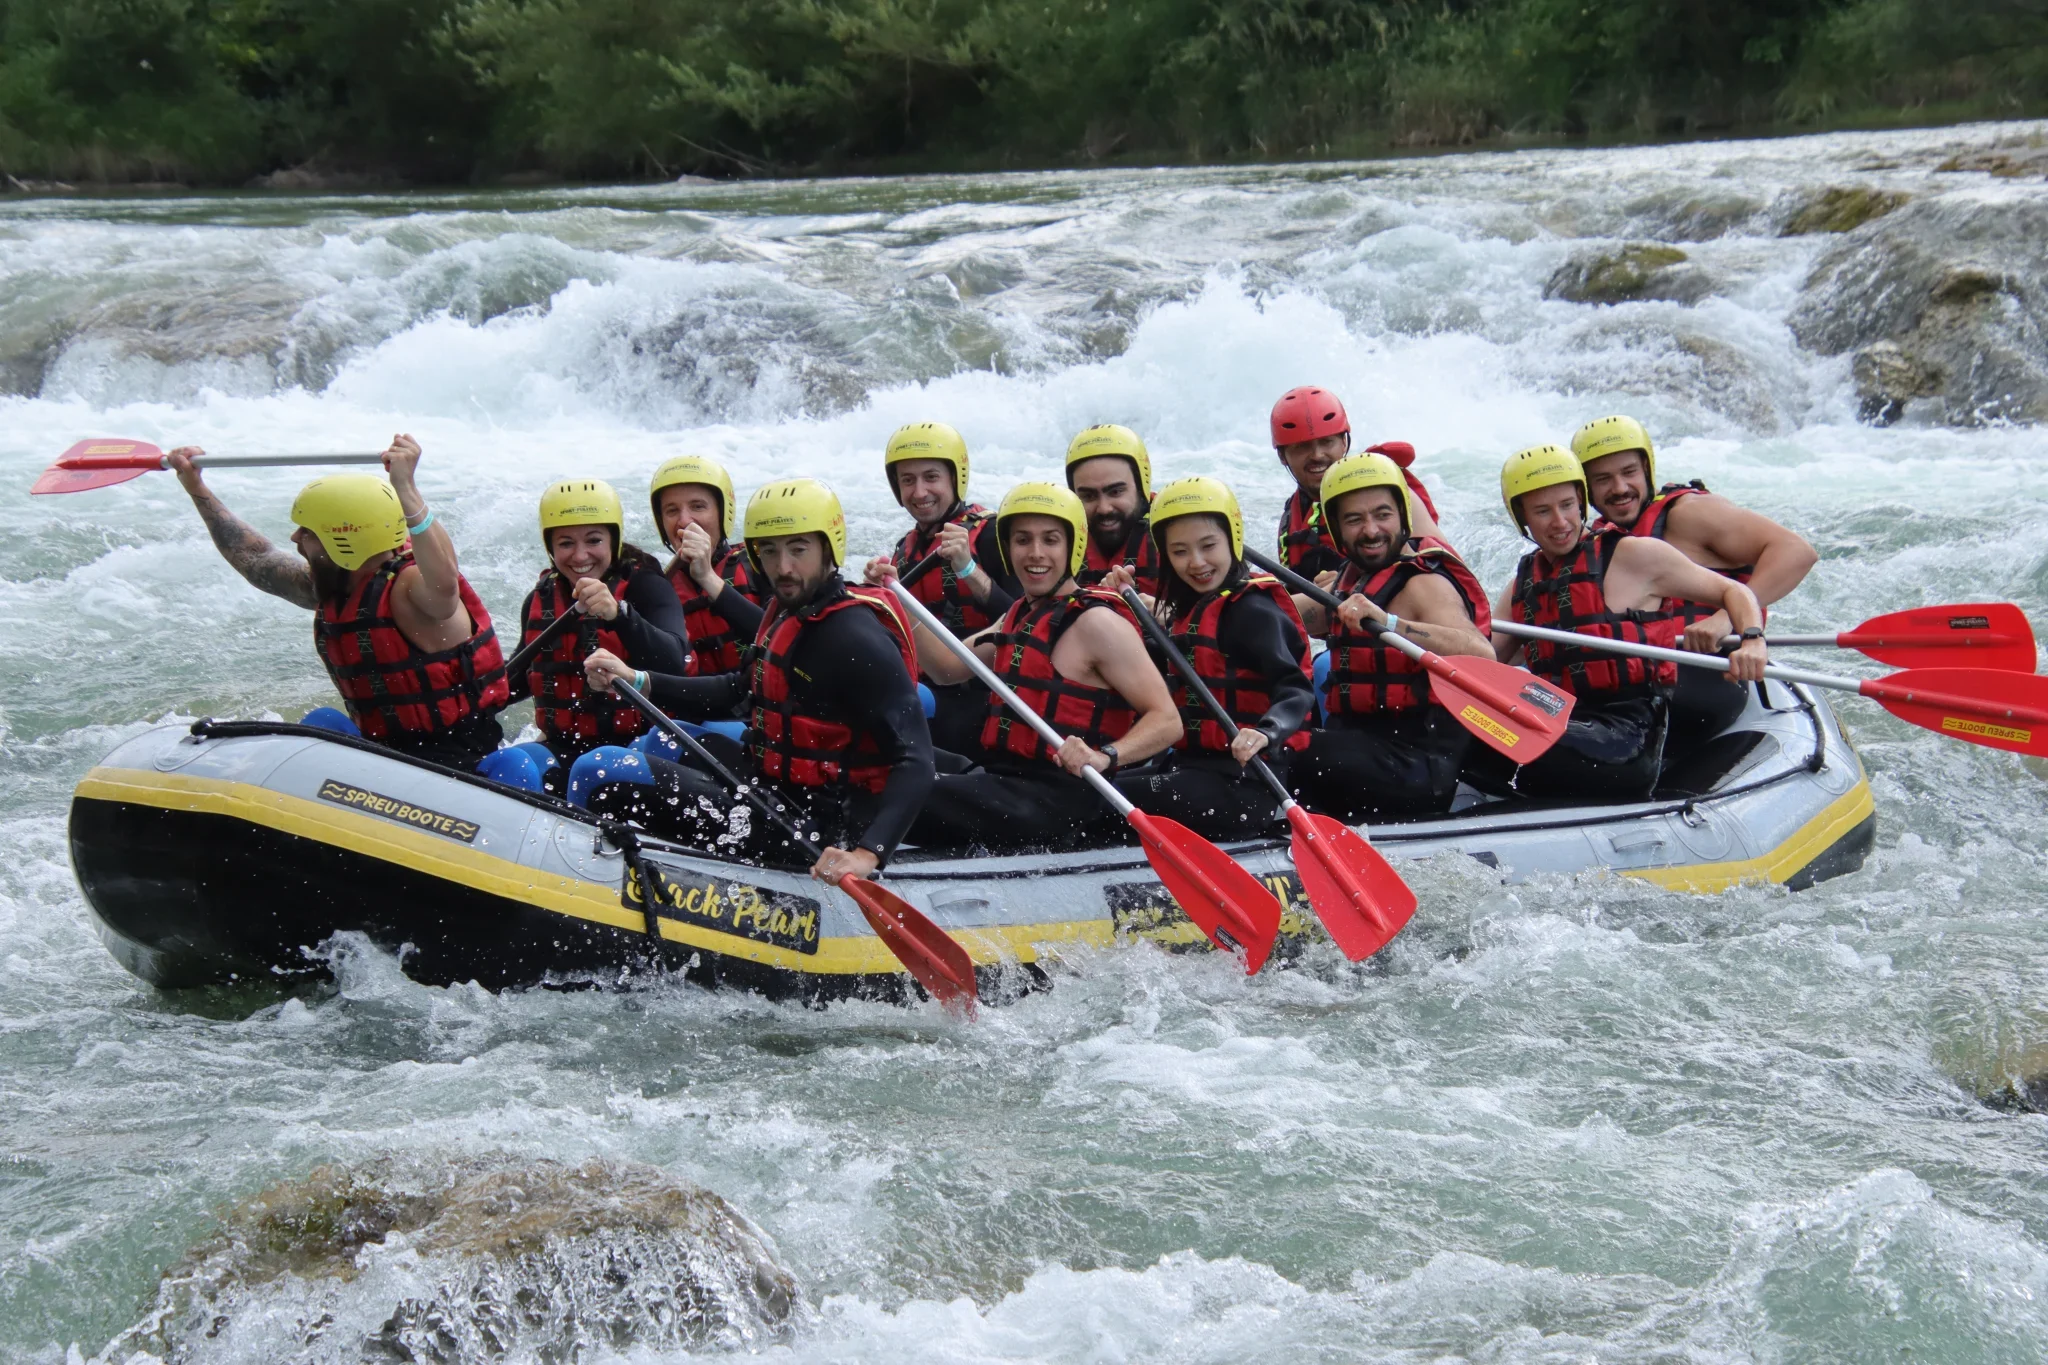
{"x":844,"y":668}
{"x":1206,"y":789}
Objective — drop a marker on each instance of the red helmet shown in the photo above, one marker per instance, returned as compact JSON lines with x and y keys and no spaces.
{"x":1307,"y":415}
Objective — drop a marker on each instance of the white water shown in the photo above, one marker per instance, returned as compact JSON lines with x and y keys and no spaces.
{"x":1583,"y":1120}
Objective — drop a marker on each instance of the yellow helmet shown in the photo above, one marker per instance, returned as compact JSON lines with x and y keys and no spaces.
{"x":1044,"y":500}
{"x":1539,"y":467}
{"x":1111,"y":439}
{"x":1611,"y":436}
{"x":694,"y":469}
{"x":582,"y":502}
{"x":790,"y":507}
{"x":1185,"y":497}
{"x":1368,"y":470}
{"x":927,"y":441}
{"x":354,"y":515}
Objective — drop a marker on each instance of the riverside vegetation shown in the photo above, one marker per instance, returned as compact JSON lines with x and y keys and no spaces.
{"x":354,"y":92}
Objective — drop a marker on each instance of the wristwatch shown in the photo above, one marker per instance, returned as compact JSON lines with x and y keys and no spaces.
{"x":1753,"y":633}
{"x":1109,"y":752}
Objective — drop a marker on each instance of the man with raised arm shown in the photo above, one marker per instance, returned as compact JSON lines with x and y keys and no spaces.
{"x":1621,"y":470}
{"x":405,"y":638}
{"x":1074,"y":655}
{"x":1610,"y":585}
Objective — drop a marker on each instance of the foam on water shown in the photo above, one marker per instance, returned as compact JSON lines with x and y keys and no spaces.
{"x":1577,"y":1119}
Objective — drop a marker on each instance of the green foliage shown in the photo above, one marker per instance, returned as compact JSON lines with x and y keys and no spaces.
{"x":220,"y":90}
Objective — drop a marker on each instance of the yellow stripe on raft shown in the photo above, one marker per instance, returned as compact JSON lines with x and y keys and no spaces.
{"x":1782,"y":863}
{"x":571,"y":896}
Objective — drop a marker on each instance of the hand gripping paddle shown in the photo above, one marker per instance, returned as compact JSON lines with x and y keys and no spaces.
{"x":932,"y":955}
{"x":1360,"y":899}
{"x":1960,"y":635}
{"x":1511,"y":710}
{"x":1987,"y":706}
{"x":1224,"y":900}
{"x":102,"y":462}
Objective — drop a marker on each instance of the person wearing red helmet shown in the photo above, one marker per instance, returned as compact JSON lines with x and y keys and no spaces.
{"x":1311,"y":432}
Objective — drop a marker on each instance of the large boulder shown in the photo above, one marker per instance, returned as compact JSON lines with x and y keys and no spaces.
{"x":1942,"y":300}
{"x":480,"y":1259}
{"x":1839,"y":208}
{"x":1629,"y":274}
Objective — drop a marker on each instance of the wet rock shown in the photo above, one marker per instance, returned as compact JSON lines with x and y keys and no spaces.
{"x":1840,"y":209}
{"x":1944,"y":300}
{"x":479,"y":1260}
{"x":1636,"y":272}
{"x":2007,"y":163}
{"x":1673,"y":216}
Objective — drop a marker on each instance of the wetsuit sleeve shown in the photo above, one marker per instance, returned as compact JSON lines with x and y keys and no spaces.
{"x":521,"y":684}
{"x":1004,"y":587}
{"x":1258,"y":635}
{"x":739,"y":611}
{"x":653,"y":631}
{"x":719,"y":694}
{"x":852,"y":653}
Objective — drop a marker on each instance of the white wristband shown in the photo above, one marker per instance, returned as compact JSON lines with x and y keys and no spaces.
{"x":1393,"y":623}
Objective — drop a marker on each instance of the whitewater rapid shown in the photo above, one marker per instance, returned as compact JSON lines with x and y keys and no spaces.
{"x":1572,"y":1120}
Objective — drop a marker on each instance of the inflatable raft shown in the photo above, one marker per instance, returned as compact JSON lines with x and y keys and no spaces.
{"x":227,"y":851}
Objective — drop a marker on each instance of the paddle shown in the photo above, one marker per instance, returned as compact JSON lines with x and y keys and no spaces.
{"x":1960,"y":635}
{"x":1988,"y":706}
{"x":1360,"y":899}
{"x":516,"y":665}
{"x":1223,"y":900}
{"x":1511,"y":710}
{"x":932,"y":955}
{"x":102,"y":462}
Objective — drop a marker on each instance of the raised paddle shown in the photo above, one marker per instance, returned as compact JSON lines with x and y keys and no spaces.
{"x":102,"y":462}
{"x":931,"y":954}
{"x":1988,"y":706}
{"x":1511,"y":710}
{"x":1959,"y":635}
{"x":1360,"y":899}
{"x":1224,"y":901}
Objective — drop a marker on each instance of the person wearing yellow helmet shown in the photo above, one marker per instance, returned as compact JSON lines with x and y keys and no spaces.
{"x":1620,"y":463}
{"x":1311,"y":431}
{"x":1076,"y":656}
{"x":406,"y":639}
{"x":692,"y":500}
{"x":835,"y":726}
{"x":623,"y":603}
{"x":1387,"y":749}
{"x":1240,"y":630}
{"x":1110,"y":470}
{"x":1610,"y":585}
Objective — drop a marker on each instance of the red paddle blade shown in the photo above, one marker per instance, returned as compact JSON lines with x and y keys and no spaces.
{"x":1226,"y":902}
{"x":1996,"y":709}
{"x":1510,"y":709}
{"x":1360,"y":899}
{"x":99,"y":463}
{"x":931,"y":954}
{"x":1961,"y":635}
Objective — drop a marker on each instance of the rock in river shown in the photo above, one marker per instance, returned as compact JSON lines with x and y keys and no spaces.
{"x":1629,"y":274}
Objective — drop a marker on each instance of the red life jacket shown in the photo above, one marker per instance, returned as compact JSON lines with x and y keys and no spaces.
{"x":1572,"y":596}
{"x":1245,"y":693}
{"x":805,"y":750}
{"x":940,"y":589}
{"x":714,"y":646}
{"x":1024,"y":644}
{"x":390,"y":685}
{"x":1654,"y":521}
{"x":564,"y":707}
{"x":1306,"y":545}
{"x":1368,"y":677}
{"x":1140,"y":553}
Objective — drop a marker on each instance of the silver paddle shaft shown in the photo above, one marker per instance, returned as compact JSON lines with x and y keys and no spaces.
{"x":996,"y":685}
{"x":1676,"y":656}
{"x":263,"y":461}
{"x":1783,"y":641}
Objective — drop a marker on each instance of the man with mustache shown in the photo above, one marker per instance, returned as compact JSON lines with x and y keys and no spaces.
{"x":405,"y":638}
{"x":1076,"y":656}
{"x":1110,"y":470}
{"x":1388,"y":749}
{"x":835,"y":728}
{"x":1621,"y":469}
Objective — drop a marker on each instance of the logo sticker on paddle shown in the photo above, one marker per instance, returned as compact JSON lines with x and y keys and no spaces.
{"x":753,"y":912}
{"x":1545,"y":699}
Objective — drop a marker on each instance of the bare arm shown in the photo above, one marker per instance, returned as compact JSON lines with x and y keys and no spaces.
{"x":281,"y":573}
{"x":1118,"y":654}
{"x":1665,"y":572}
{"x":1433,"y":616}
{"x":1726,"y":535}
{"x":1505,"y":647}
{"x":434,"y":592}
{"x":941,"y":665}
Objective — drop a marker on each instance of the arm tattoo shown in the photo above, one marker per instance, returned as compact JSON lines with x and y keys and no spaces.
{"x":277,"y":572}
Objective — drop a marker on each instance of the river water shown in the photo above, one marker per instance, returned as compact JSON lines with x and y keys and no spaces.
{"x":1575,"y":1120}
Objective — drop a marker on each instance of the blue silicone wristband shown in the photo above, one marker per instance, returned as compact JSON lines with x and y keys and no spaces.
{"x":425,"y":522}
